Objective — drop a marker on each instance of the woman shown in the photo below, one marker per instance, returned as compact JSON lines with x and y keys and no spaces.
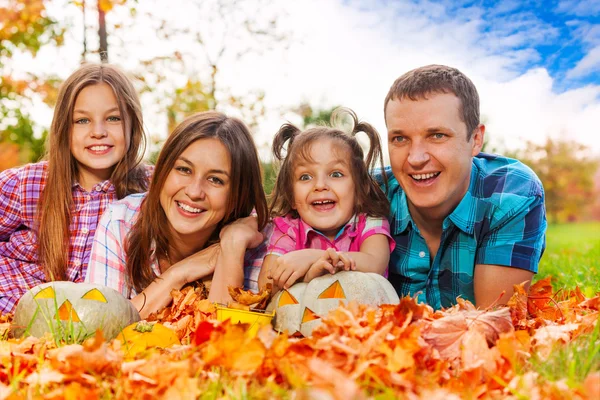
{"x":193,"y":222}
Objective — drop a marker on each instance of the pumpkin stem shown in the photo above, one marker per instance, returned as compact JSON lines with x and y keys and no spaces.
{"x":143,"y":326}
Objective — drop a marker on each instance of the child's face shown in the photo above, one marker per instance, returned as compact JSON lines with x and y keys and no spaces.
{"x":98,"y":142}
{"x":324,"y":192}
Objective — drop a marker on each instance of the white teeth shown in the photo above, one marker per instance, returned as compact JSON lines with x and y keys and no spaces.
{"x":189,"y":208}
{"x":319,"y":202}
{"x":424,"y":176}
{"x":99,"y":148}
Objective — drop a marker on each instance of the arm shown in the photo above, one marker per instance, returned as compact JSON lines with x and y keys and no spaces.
{"x":158,"y":294}
{"x":509,"y":254}
{"x":494,"y":283}
{"x":229,"y":269}
{"x":374,"y":255}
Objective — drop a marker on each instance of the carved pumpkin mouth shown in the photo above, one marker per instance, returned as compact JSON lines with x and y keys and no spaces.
{"x":67,"y":313}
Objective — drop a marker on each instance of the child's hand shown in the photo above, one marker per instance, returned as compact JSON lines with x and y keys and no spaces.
{"x":332,"y":262}
{"x":290,"y":267}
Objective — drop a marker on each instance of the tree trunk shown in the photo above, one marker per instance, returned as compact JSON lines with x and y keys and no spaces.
{"x":102,"y":33}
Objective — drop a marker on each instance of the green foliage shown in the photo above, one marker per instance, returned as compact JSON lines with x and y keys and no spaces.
{"x":573,"y":362}
{"x":567,"y":173}
{"x":572,"y":257}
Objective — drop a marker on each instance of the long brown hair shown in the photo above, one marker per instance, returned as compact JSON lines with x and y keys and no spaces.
{"x":370,"y":199}
{"x":246,"y":189}
{"x":128,"y":176}
{"x":420,"y":82}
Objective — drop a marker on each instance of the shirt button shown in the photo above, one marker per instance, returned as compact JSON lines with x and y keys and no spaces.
{"x":421,"y":254}
{"x":85,"y":231}
{"x":77,"y":263}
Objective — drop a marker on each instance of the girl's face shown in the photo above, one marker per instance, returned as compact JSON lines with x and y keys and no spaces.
{"x":98,"y":142}
{"x":324,"y":190}
{"x":195,"y":194}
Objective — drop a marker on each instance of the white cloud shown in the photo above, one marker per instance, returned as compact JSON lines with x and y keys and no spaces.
{"x":579,"y":7}
{"x":589,"y":63}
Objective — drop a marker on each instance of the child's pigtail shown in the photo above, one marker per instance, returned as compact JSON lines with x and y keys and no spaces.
{"x":287,"y":133}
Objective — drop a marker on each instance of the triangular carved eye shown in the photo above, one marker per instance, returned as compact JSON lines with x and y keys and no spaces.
{"x":286,"y":299}
{"x":334,"y":291}
{"x":309,"y":315}
{"x":95,"y":295}
{"x":67,"y":313}
{"x":47,"y":293}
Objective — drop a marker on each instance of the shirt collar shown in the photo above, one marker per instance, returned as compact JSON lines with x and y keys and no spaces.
{"x":104,"y":186}
{"x":305,"y":229}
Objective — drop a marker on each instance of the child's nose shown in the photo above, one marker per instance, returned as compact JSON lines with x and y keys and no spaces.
{"x":98,"y":130}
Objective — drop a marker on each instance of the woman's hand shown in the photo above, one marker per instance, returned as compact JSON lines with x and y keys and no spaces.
{"x":198,"y":265}
{"x":242,"y":232}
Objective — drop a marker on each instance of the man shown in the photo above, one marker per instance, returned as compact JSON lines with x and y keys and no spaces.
{"x":466,"y":223}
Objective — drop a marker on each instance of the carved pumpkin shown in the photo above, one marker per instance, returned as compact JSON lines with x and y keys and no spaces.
{"x":72,"y":311}
{"x":301,"y":307}
{"x":140,"y":336}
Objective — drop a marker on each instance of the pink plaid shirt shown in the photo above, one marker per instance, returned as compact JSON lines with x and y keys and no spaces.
{"x":20,"y":190}
{"x":108,"y":261}
{"x":290,"y":234}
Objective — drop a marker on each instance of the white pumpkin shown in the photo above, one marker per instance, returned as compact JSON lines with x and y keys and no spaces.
{"x":72,"y":311}
{"x":301,"y":307}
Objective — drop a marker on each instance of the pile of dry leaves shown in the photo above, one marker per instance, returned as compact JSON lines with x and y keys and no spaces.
{"x":406,"y":351}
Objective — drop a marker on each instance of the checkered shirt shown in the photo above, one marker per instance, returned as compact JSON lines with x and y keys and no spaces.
{"x":500,"y":221}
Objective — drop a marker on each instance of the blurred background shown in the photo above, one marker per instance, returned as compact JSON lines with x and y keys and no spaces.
{"x":536,"y":65}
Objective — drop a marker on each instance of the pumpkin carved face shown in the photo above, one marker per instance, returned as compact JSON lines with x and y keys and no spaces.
{"x":301,"y":307}
{"x":72,"y":311}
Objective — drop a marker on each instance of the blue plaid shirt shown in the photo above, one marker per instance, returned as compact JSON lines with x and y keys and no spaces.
{"x":500,"y":221}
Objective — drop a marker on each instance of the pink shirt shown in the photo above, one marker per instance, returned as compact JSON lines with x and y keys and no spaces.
{"x":290,"y":234}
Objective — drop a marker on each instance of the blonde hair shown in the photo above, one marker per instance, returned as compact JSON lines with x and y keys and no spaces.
{"x":128,"y":176}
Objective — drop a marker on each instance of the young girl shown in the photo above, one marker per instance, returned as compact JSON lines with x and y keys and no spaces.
{"x":329,"y":213}
{"x":50,"y":209}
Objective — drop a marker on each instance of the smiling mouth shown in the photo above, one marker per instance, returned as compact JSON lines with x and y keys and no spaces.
{"x":99,"y":148}
{"x":188,"y":208}
{"x":323,"y":205}
{"x":424,"y":178}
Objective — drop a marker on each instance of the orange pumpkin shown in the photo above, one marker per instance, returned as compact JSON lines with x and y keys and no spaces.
{"x":141,"y":336}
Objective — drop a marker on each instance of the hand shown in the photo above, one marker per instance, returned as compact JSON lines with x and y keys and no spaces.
{"x":292,"y":266}
{"x":332,"y":262}
{"x":198,"y":265}
{"x":242,"y":232}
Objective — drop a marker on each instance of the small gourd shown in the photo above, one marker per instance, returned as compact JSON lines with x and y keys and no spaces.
{"x":140,"y":336}
{"x":72,"y":311}
{"x":301,"y":307}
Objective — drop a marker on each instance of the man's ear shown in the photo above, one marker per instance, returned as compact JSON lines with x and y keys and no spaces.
{"x":477,"y":138}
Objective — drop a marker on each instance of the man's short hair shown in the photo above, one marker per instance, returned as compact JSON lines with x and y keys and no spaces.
{"x":433,"y":79}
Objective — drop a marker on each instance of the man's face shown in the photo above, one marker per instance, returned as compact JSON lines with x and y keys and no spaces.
{"x":429,"y":152}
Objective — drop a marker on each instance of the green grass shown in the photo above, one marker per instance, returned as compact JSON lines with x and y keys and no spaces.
{"x":572,"y":257}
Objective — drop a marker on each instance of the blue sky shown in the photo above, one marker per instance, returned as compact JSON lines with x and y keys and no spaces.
{"x":562,"y":36}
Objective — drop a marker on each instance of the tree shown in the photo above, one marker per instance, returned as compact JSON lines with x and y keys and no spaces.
{"x":567,"y":172}
{"x":24,"y":28}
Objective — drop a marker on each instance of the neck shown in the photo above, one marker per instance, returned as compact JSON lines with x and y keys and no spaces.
{"x":428,"y":221}
{"x":184,"y":246}
{"x":87,"y":179}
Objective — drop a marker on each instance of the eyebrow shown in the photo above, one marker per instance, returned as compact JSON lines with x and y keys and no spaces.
{"x":334,"y":162}
{"x":85,"y":111}
{"x":211,"y":171}
{"x":428,"y":130}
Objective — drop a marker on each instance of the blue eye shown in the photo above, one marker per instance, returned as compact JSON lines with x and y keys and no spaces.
{"x":398,"y":139}
{"x":336,"y":174}
{"x":304,"y":177}
{"x":114,"y":118}
{"x":439,"y":135}
{"x":82,"y":121}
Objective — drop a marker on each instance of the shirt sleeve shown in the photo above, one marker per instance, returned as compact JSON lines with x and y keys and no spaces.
{"x":10,"y":204}
{"x":378,"y":226}
{"x":107,"y":264}
{"x":283,"y":239}
{"x":518,"y":240}
{"x":253,"y":260}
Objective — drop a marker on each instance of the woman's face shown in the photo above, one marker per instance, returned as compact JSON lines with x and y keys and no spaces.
{"x":195,"y":194}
